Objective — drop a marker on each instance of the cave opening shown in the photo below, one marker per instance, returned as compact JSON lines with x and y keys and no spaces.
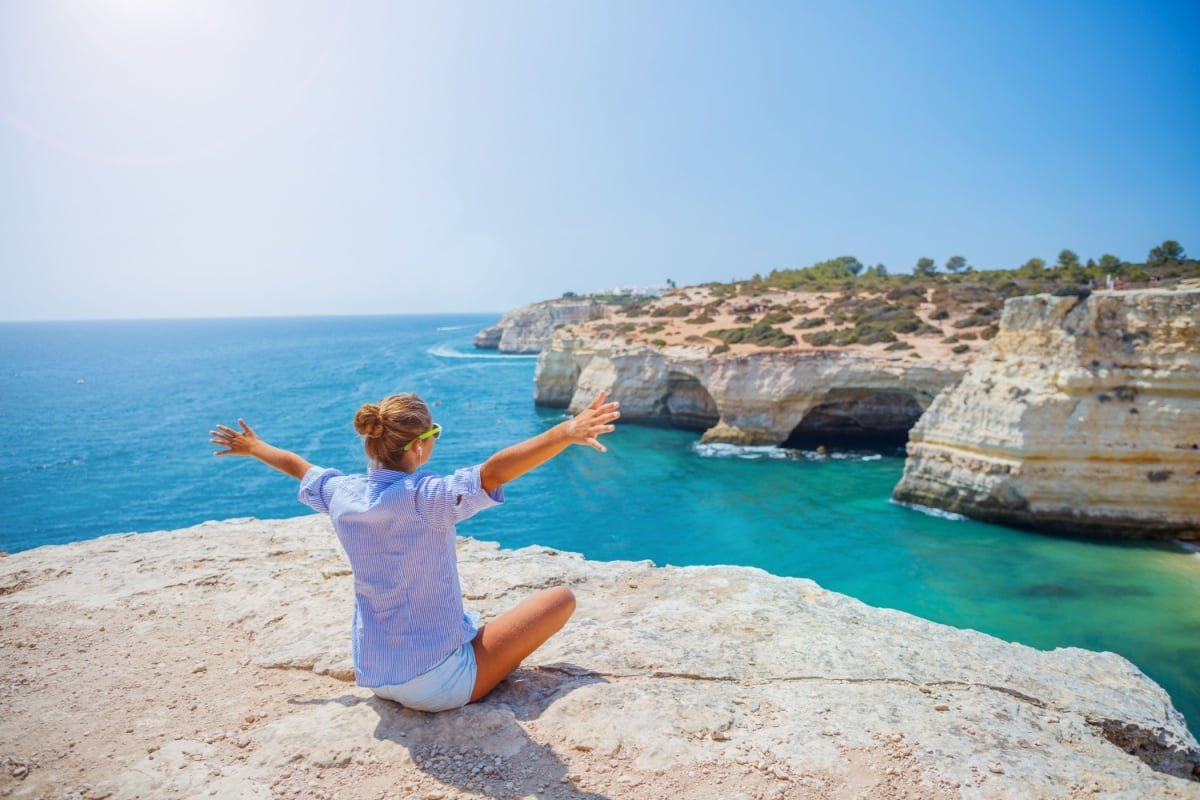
{"x":858,"y":419}
{"x":687,"y":404}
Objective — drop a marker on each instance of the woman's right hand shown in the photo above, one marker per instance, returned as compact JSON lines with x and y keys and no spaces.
{"x":588,"y":425}
{"x":236,"y":443}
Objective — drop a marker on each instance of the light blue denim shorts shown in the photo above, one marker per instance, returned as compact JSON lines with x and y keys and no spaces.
{"x":447,"y":684}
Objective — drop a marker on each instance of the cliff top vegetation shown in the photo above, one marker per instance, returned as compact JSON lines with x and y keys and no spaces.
{"x":945,"y":312}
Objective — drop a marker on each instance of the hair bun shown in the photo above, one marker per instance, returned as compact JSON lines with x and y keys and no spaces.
{"x":369,"y":421}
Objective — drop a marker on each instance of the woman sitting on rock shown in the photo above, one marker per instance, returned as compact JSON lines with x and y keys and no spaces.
{"x":412,"y":641}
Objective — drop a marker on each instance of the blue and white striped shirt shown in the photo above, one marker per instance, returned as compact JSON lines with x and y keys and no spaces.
{"x":397,"y":529}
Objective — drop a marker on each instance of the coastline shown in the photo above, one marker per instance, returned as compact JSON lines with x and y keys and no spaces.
{"x":217,"y":658}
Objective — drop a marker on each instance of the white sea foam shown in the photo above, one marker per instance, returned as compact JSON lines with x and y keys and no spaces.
{"x":722,"y":450}
{"x":446,"y":351}
{"x":932,"y":512}
{"x":1191,"y":547}
{"x":454,"y":327}
{"x":769,"y":451}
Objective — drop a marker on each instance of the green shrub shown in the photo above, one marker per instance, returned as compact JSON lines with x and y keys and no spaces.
{"x":968,"y":336}
{"x":776,"y":318}
{"x":1082,"y":292}
{"x":960,"y":348}
{"x":872,"y":316}
{"x":899,"y":346}
{"x":648,"y":329}
{"x":989,"y":332}
{"x":812,"y":322}
{"x":659,"y":343}
{"x":940,"y":313}
{"x":1009,"y":289}
{"x":843,"y":337}
{"x":759,"y":333}
{"x":909,"y":295}
{"x":703,"y":319}
{"x":626,"y":327}
{"x":873,"y":334}
{"x":673,"y":310}
{"x":721,"y":348}
{"x":972,"y":321}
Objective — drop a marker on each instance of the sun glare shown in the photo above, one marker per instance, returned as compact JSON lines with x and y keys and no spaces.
{"x":158,"y":80}
{"x":159,"y":12}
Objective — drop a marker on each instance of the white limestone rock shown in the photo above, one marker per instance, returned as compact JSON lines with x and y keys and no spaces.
{"x":696,"y":682}
{"x":529,"y":329}
{"x":757,"y":398}
{"x":1083,"y":417}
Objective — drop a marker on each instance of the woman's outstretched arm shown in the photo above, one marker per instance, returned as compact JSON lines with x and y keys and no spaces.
{"x":585,"y":428}
{"x":246,"y":443}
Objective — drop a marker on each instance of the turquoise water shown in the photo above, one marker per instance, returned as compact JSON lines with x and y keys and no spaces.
{"x":105,"y":430}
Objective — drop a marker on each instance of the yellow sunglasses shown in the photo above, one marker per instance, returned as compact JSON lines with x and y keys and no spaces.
{"x":432,"y":433}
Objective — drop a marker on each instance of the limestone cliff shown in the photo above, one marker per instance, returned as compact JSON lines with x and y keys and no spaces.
{"x":1084,"y":418}
{"x":214,"y":662}
{"x":529,"y":329}
{"x":766,"y":397}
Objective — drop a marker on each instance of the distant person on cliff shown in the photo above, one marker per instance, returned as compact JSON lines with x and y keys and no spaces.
{"x":412,"y":641}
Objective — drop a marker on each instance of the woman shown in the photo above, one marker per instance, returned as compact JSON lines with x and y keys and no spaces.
{"x":412,"y":641}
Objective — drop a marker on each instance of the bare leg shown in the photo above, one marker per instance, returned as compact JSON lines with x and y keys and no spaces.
{"x":502,"y":644}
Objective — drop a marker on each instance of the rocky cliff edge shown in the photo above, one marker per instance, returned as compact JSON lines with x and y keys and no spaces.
{"x":1084,"y":416}
{"x":530,"y":328}
{"x":795,"y":398}
{"x":214,"y":661}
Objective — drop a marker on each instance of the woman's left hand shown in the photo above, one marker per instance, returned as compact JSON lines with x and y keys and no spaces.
{"x":588,"y":425}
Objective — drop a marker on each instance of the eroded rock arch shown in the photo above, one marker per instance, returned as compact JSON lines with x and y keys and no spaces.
{"x":858,"y":418}
{"x":687,"y":404}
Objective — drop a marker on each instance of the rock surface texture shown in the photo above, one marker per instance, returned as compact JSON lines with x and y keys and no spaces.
{"x":529,"y":329}
{"x":767,"y":397}
{"x":1084,"y":417}
{"x":214,"y":661}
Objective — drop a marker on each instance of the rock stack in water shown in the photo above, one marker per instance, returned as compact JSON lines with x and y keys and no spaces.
{"x":529,"y":329}
{"x":1083,"y":419}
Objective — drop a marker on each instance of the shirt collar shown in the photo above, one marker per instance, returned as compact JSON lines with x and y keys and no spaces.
{"x":381,"y":475}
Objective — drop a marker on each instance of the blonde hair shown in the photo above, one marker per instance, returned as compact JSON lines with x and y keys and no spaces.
{"x":389,"y":425}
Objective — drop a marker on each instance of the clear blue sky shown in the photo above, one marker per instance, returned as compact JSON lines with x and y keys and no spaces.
{"x":164,"y":158}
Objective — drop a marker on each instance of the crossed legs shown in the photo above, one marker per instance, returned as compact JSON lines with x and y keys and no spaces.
{"x":502,"y":644}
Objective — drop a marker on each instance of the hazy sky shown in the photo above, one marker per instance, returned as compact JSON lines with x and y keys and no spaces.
{"x":164,"y":158}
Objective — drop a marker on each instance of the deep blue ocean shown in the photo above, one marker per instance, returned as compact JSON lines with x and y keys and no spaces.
{"x":105,"y":429}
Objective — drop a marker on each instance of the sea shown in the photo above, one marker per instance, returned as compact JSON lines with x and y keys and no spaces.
{"x":105,"y":429}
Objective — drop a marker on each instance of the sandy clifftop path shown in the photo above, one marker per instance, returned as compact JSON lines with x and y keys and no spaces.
{"x":214,"y":662}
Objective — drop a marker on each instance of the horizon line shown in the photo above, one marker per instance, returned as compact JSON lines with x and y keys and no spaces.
{"x":212,"y":317}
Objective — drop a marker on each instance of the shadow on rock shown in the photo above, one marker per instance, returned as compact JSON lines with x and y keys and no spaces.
{"x":529,"y":692}
{"x":482,"y":747}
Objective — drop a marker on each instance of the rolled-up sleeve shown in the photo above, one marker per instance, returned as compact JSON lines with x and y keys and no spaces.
{"x":315,"y":488}
{"x":446,"y":501}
